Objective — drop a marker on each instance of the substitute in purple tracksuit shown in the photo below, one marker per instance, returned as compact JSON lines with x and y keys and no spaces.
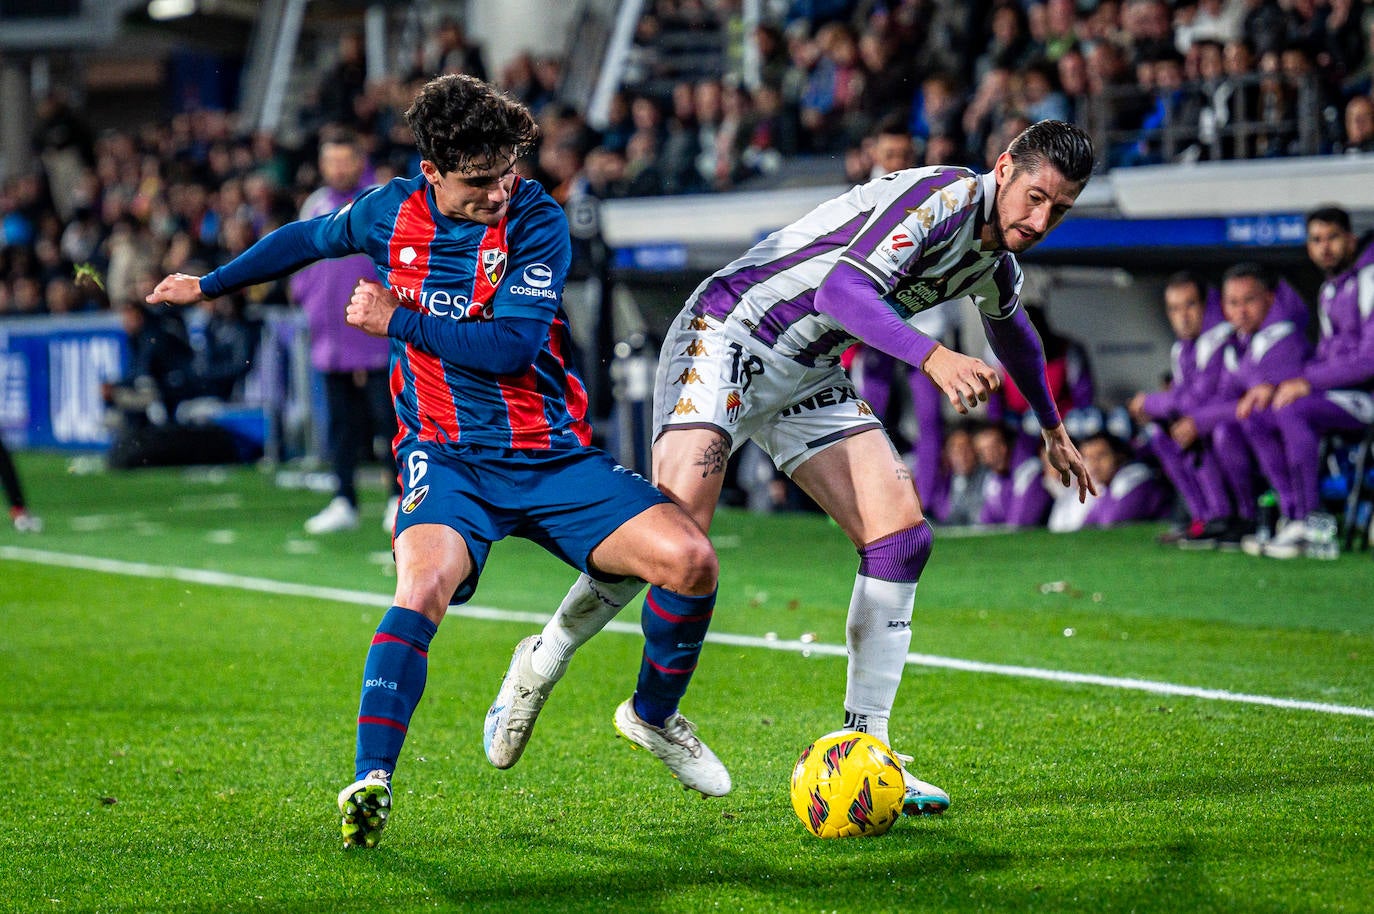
{"x":1197,"y":366}
{"x":1329,"y":393}
{"x":1265,"y":348}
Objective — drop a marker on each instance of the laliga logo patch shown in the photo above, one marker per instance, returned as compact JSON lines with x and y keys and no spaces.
{"x":413,"y":499}
{"x":538,"y":276}
{"x":407,"y":255}
{"x":897,"y":241}
{"x":494,"y":265}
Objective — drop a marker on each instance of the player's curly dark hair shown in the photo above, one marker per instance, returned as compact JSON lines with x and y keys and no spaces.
{"x":1066,"y":147}
{"x":462,"y":124}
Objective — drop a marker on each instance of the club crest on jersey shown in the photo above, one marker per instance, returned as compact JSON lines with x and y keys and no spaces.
{"x":494,"y":265}
{"x":413,"y":499}
{"x":407,"y":256}
{"x":733,"y":404}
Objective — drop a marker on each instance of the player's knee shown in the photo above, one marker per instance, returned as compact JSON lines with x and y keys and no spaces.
{"x":899,"y":556}
{"x":695,"y":568}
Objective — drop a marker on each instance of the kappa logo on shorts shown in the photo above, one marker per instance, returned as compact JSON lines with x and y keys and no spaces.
{"x":413,"y":499}
{"x":865,"y":409}
{"x":689,"y":376}
{"x":698,"y":323}
{"x":684,"y":407}
{"x":695,"y":348}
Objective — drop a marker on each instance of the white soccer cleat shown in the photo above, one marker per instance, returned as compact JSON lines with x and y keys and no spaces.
{"x":1289,"y":543}
{"x":393,"y":507}
{"x":336,"y":517}
{"x":510,"y":720}
{"x":676,"y":745}
{"x":24,"y":522}
{"x":922,"y":798}
{"x":365,"y":805}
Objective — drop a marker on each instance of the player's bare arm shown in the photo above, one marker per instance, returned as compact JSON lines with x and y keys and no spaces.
{"x":964,"y":380}
{"x":371,"y":307}
{"x":176,"y":289}
{"x":1064,"y":457}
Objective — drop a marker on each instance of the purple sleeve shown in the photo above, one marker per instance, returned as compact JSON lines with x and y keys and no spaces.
{"x":1348,"y":363}
{"x":1018,"y":347}
{"x":1159,"y":404}
{"x":850,"y":296}
{"x":1080,"y":378}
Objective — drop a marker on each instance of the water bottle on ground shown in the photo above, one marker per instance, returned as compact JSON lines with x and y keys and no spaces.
{"x":1321,"y":536}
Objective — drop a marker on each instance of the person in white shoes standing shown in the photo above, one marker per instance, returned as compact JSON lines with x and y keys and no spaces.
{"x":755,"y":354}
{"x":352,"y":364}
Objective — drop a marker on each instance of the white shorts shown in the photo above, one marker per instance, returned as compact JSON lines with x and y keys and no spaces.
{"x":714,"y":374}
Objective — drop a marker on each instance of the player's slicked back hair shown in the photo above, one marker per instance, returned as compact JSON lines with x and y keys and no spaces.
{"x":462,"y":124}
{"x":1067,"y":148}
{"x":1330,"y":214}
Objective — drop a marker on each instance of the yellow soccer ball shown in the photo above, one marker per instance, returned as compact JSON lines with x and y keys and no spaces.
{"x":846,"y":785}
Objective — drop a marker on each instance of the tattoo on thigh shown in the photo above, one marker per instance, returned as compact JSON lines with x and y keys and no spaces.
{"x":712,"y":460}
{"x":902,"y":472}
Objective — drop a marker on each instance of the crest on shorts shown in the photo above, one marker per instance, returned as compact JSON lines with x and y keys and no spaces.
{"x":413,"y":499}
{"x":733,"y":404}
{"x":494,"y":265}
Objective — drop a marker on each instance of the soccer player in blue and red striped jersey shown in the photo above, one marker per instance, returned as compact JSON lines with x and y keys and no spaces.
{"x":493,"y":439}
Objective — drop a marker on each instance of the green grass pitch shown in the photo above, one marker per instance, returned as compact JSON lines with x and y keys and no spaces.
{"x":175,"y":741}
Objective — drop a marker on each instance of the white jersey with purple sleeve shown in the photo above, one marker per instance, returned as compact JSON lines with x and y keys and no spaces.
{"x":914,"y":233}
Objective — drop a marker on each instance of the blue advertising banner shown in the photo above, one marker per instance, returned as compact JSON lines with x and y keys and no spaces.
{"x":51,"y":372}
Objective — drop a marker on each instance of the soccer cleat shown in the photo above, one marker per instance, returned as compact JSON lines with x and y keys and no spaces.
{"x":24,"y":522}
{"x":365,"y":805}
{"x":1203,"y":536}
{"x":1289,"y":543}
{"x":336,"y":517}
{"x":922,"y":798}
{"x":393,"y":507}
{"x":510,"y":720}
{"x":676,"y":745}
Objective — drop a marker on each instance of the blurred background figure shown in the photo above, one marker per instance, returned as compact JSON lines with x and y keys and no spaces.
{"x":351,"y":364}
{"x":23,"y":521}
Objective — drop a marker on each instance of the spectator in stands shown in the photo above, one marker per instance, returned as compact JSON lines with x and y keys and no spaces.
{"x":889,"y":81}
{"x":1040,"y":98}
{"x":958,"y":499}
{"x":1359,"y":125}
{"x":1213,"y":20}
{"x":1061,"y":28}
{"x":1072,"y":69}
{"x":1010,"y":44}
{"x":1331,"y":392}
{"x":938,"y":107}
{"x":830,"y":101}
{"x":351,"y":363}
{"x":160,"y":372}
{"x":1265,"y":348}
{"x":454,"y":53}
{"x":345,"y":82}
{"x":1013,"y":494}
{"x":1196,"y":368}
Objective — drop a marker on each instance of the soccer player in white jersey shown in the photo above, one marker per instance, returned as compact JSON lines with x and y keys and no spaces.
{"x":755,"y":354}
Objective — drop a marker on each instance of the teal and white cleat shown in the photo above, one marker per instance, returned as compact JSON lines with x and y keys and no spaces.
{"x":510,"y":720}
{"x":922,"y":798}
{"x":365,"y":805}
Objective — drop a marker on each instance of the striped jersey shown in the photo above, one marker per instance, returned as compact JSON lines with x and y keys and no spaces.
{"x":458,"y":270}
{"x":914,"y":232}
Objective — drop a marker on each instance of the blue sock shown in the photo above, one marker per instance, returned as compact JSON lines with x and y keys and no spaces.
{"x":674,"y":629}
{"x":393,"y":681}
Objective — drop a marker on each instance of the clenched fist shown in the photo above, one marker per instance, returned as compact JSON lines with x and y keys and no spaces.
{"x":371,"y":307}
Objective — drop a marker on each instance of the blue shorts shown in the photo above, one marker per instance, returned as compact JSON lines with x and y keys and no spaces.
{"x":566,"y":500}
